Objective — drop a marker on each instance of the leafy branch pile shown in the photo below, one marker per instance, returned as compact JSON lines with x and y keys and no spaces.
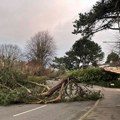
{"x":16,"y":87}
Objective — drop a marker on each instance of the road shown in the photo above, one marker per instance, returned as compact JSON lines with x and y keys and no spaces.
{"x":109,"y":107}
{"x":60,"y":111}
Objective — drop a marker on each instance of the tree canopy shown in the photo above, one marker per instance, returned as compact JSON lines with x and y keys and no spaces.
{"x":83,"y":53}
{"x":87,"y":51}
{"x":105,"y":14}
{"x":69,"y":61}
{"x":112,"y":58}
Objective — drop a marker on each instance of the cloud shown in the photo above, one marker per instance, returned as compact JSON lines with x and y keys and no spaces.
{"x":21,"y":19}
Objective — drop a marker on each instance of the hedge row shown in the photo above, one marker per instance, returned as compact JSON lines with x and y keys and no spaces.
{"x":95,"y":76}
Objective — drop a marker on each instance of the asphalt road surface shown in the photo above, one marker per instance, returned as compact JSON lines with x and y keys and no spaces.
{"x":109,"y":107}
{"x":60,"y":111}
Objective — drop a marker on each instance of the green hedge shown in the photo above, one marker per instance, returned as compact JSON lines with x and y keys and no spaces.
{"x":95,"y":76}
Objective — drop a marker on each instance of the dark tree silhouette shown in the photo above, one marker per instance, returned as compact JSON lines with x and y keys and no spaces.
{"x":105,"y":14}
{"x":83,"y":53}
{"x":112,"y":58}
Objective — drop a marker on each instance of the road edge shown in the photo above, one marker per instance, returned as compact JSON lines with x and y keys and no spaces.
{"x":89,"y":111}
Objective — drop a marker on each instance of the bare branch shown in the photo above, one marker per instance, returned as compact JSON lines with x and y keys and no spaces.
{"x":41,"y":85}
{"x":28,"y":90}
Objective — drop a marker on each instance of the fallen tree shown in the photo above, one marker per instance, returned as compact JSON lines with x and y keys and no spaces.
{"x":69,"y":90}
{"x":16,"y":88}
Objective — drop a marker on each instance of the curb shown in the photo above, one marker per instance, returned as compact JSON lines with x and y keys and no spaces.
{"x":89,"y":111}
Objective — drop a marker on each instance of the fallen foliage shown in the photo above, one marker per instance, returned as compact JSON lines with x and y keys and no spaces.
{"x":15,"y":87}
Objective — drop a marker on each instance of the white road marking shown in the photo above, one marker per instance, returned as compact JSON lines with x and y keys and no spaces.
{"x":29,"y":111}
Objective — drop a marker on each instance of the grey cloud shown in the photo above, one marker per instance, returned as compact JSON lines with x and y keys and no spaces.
{"x":21,"y":19}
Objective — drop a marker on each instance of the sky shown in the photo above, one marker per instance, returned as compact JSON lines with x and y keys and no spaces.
{"x":22,"y":19}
